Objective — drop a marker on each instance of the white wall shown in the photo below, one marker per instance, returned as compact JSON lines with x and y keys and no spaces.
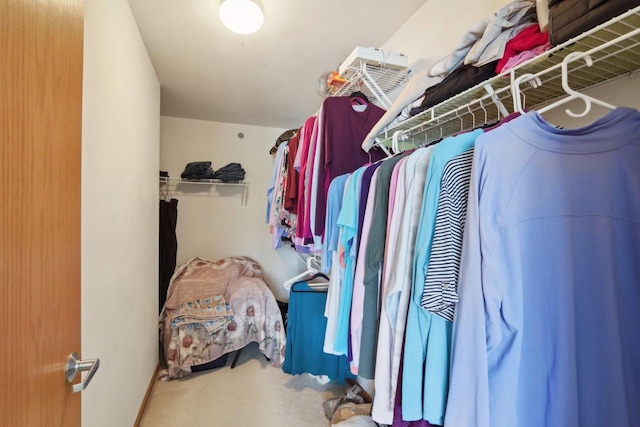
{"x":212,"y":222}
{"x":437,"y":27}
{"x":121,"y":113}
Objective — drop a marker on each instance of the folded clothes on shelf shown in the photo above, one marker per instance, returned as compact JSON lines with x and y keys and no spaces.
{"x":232,"y":172}
{"x":198,"y":170}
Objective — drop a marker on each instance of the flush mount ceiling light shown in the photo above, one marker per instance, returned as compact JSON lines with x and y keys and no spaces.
{"x":241,"y":16}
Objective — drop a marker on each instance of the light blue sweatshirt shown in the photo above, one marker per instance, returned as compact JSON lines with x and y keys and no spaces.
{"x":546,"y":332}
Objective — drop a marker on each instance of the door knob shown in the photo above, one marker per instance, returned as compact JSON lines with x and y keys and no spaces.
{"x":74,"y":365}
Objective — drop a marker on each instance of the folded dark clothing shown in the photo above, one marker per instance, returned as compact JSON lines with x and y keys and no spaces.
{"x":231,"y":167}
{"x":231,"y":178}
{"x":230,"y":172}
{"x":198,"y":170}
{"x":229,"y":175}
{"x":569,"y":18}
{"x":239,"y":175}
{"x":208,"y":174}
{"x":222,"y":175}
{"x":461,"y":79}
{"x":164,"y":174}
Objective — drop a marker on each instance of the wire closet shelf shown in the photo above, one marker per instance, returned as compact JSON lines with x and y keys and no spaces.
{"x":614,"y":48}
{"x":176,"y":181}
{"x":181,"y":186}
{"x":375,"y":81}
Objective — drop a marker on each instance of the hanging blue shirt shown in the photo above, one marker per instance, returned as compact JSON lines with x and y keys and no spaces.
{"x":348,"y":222}
{"x":546,"y":330}
{"x":334,"y":204}
{"x":425,"y":378}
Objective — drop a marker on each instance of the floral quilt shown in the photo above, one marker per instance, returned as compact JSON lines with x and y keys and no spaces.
{"x":214,"y":308}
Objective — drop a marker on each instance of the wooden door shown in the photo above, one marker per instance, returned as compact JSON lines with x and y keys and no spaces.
{"x":41,"y":44}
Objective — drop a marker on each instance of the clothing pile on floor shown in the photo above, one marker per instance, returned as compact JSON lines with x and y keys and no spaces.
{"x":232,"y":172}
{"x":350,"y":409}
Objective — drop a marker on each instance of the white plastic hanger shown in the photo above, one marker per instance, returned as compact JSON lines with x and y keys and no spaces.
{"x":394,"y":142}
{"x":572,"y":94}
{"x":485,"y":112}
{"x":461,"y":122}
{"x":473,"y":116}
{"x":519,"y":98}
{"x":313,"y":267}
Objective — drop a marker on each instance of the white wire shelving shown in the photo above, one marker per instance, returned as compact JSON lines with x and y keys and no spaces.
{"x":375,"y":81}
{"x":614,"y":48}
{"x":177,"y":181}
{"x":169,"y":185}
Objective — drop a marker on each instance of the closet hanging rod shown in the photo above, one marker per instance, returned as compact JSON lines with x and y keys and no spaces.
{"x":614,"y":47}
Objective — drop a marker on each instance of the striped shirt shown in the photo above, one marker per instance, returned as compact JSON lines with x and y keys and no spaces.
{"x":439,"y":295}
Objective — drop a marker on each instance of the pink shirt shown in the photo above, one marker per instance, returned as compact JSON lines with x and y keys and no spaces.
{"x":315,"y":153}
{"x":305,"y":140}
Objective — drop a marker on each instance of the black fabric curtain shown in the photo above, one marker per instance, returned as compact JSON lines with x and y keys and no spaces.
{"x":168,"y":246}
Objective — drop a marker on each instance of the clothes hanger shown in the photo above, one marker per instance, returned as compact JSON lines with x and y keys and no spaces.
{"x":485,"y":112}
{"x":473,"y":116}
{"x":461,"y":123}
{"x":359,"y":98}
{"x":394,"y":142}
{"x":313,"y":287}
{"x":518,"y":96}
{"x":384,"y":149}
{"x":574,"y":94}
{"x":313,"y":268}
{"x":296,"y":279}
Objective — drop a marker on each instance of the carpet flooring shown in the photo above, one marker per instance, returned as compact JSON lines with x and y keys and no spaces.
{"x":253,"y":394}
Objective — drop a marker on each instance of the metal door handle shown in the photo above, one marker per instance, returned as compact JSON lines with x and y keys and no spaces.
{"x":74,"y":365}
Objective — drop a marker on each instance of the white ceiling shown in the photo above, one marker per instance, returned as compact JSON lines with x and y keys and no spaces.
{"x":268,"y":78}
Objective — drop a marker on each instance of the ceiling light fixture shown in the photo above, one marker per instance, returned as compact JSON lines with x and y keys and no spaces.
{"x":241,"y":16}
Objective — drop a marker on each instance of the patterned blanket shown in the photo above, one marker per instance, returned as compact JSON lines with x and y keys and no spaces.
{"x":214,"y":308}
